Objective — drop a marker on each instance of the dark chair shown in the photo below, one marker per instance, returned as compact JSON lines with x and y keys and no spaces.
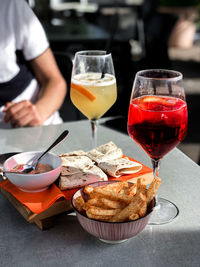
{"x":68,"y":111}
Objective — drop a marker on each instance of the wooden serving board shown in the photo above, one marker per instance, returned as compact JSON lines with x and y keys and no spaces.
{"x":45,"y":220}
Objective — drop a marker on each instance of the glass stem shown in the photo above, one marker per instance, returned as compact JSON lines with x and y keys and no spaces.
{"x":156,"y":165}
{"x":94,"y":132}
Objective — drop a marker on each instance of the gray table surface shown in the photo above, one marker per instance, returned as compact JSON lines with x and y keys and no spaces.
{"x":67,"y":244}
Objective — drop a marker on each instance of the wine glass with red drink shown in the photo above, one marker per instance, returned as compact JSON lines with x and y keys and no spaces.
{"x":157,"y":121}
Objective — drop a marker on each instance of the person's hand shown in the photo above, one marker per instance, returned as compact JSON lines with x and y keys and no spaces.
{"x":22,"y":114}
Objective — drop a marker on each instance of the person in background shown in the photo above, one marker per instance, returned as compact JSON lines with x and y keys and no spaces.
{"x":32,"y":88}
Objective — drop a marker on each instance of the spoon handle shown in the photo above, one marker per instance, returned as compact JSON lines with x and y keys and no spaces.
{"x":56,"y":142}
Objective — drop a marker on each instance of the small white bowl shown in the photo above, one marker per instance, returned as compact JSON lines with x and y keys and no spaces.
{"x":33,"y":182}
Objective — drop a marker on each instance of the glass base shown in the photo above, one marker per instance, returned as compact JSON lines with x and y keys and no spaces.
{"x":164,"y":212}
{"x":112,"y":241}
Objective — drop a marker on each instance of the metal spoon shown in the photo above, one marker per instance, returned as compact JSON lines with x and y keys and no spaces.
{"x":29,"y":167}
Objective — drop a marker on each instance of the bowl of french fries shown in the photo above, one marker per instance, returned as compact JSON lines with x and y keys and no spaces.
{"x":115,"y":211}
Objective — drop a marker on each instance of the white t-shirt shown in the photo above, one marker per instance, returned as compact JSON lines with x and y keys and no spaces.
{"x":20,"y":30}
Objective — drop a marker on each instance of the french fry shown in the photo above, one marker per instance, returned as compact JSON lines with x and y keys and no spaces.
{"x":115,"y":187}
{"x":98,"y":217}
{"x":88,"y":189}
{"x":143,"y":209}
{"x":112,"y":204}
{"x":94,"y":202}
{"x":104,"y":203}
{"x":132,"y":190}
{"x":132,"y":208}
{"x":153,"y":188}
{"x":99,"y":211}
{"x":141,"y":187}
{"x":124,"y":190}
{"x":113,"y":195}
{"x":133,"y":217}
{"x":79,"y":203}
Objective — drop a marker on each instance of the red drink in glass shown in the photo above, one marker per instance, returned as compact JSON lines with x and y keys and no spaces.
{"x":157,"y":123}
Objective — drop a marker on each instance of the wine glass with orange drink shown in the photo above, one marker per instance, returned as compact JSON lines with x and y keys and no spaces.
{"x":93,"y":85}
{"x":157,"y":121}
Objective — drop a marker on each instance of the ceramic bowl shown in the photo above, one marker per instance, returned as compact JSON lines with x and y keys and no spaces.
{"x":111,"y":232}
{"x":33,"y":182}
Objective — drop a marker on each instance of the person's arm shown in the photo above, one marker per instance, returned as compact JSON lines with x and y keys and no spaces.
{"x":53,"y":86}
{"x":51,"y":95}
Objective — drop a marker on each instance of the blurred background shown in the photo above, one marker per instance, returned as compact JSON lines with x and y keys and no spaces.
{"x":140,"y":34}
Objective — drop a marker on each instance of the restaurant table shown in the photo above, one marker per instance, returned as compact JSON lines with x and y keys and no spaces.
{"x":67,"y":244}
